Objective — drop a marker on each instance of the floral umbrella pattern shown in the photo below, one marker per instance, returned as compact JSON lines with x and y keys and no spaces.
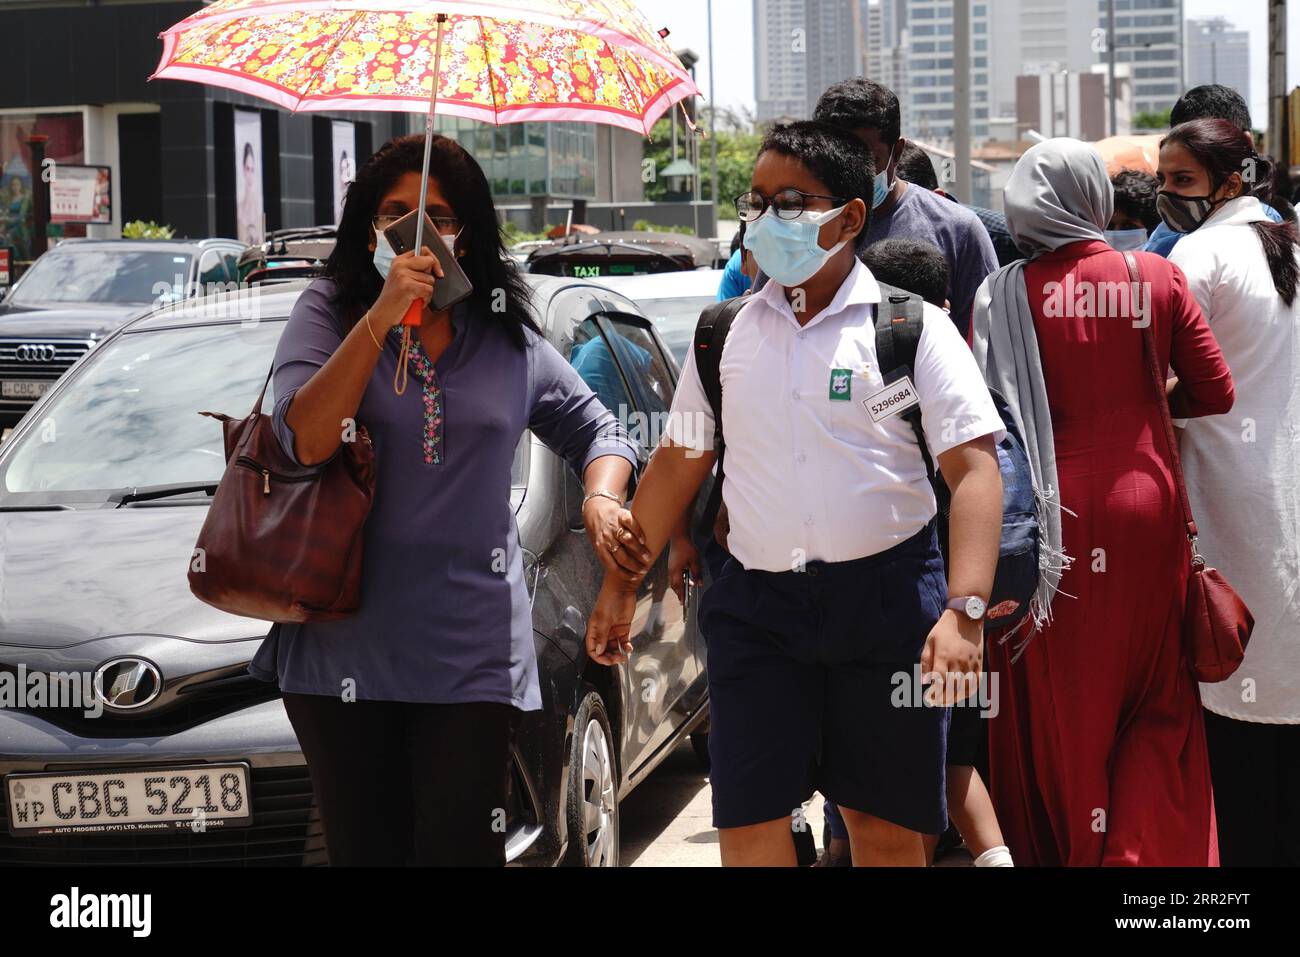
{"x":595,"y":60}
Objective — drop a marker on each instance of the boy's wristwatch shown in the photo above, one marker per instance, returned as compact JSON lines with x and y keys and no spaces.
{"x":972,"y":606}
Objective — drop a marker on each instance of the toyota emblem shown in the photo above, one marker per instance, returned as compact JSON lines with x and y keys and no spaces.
{"x":36,"y":352}
{"x":125,"y":684}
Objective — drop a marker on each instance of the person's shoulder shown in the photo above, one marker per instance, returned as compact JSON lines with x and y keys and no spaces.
{"x":319,"y":299}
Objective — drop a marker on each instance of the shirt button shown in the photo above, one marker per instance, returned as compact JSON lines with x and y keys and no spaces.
{"x":794,"y":394}
{"x":803,"y":335}
{"x":801,"y":457}
{"x":808,"y":520}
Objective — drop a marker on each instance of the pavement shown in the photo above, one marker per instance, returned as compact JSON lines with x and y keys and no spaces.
{"x":667,"y":820}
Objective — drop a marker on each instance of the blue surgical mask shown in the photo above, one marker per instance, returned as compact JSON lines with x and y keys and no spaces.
{"x":1125,"y":239}
{"x":384,"y":255}
{"x":787,"y":249}
{"x":880,"y":187}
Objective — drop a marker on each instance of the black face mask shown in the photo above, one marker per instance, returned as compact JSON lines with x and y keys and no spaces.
{"x":1184,"y":214}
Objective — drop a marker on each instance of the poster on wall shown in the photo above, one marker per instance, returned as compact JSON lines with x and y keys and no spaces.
{"x":345,"y":162}
{"x":81,"y":194}
{"x":248,"y":175}
{"x":64,"y":145}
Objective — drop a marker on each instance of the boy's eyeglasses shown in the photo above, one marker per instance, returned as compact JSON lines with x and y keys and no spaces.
{"x":443,"y":224}
{"x":788,"y":204}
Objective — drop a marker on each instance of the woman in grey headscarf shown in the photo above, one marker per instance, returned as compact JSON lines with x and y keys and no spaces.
{"x":1097,"y":754}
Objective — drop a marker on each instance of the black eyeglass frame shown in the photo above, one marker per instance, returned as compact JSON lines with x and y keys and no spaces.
{"x":780,"y":214}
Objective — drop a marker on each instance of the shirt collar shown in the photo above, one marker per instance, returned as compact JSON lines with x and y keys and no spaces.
{"x":858,"y":288}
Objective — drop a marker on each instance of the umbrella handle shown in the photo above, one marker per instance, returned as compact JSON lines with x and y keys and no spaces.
{"x":413,"y":313}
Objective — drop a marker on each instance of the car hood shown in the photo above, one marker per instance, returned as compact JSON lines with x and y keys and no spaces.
{"x":75,"y":321}
{"x":80,"y":586}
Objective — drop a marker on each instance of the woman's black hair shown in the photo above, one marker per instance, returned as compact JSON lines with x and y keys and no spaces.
{"x":833,"y":155}
{"x":1221,"y":149}
{"x":248,"y":152}
{"x":500,"y":291}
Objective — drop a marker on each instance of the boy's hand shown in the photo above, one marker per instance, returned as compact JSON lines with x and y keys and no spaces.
{"x":953,"y":657}
{"x":609,"y":629}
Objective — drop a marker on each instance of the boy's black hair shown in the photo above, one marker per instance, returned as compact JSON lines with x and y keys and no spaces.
{"x":738,"y":238}
{"x":834,"y":156}
{"x":858,"y":102}
{"x":1213,"y":101}
{"x":915,"y":266}
{"x":1135,"y":196}
{"x":915,"y":166}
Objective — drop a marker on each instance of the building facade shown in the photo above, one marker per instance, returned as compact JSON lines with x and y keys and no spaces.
{"x":1218,"y":53}
{"x":1149,"y":35}
{"x":929,"y":89}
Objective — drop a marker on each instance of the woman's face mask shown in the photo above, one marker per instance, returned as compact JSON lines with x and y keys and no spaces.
{"x":384,"y":255}
{"x":1184,"y":214}
{"x":787,"y":249}
{"x":1125,"y":239}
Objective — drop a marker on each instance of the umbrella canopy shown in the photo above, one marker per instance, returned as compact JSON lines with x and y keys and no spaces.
{"x":507,"y":61}
{"x":1140,"y":152}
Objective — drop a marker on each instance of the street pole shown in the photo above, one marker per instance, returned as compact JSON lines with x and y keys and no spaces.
{"x":961,"y":114}
{"x":713,"y":132}
{"x":1110,"y":64}
{"x":1279,"y":133}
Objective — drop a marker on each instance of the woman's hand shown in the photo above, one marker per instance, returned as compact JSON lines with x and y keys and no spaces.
{"x":410,"y":277}
{"x":683,"y":559}
{"x":617,"y":539}
{"x":609,"y":630}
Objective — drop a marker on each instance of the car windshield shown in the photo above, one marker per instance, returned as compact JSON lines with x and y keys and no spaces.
{"x":130,"y":415}
{"x":675,"y":321}
{"x":76,"y":273}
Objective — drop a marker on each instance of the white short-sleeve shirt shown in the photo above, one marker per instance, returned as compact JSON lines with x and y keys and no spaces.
{"x":811,"y":475}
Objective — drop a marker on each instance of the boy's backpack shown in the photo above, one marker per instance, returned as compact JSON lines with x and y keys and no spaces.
{"x":898,"y":334}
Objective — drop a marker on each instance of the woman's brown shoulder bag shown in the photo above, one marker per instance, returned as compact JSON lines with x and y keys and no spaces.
{"x":281,"y":542}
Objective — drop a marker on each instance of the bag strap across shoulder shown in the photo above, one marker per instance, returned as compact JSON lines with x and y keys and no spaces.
{"x":1162,"y":401}
{"x":900,"y":318}
{"x":710,"y":336}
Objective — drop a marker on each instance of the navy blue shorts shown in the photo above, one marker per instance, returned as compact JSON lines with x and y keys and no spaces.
{"x":803,"y":670}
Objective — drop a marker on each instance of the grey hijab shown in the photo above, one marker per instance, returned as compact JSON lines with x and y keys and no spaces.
{"x":1059,"y":193}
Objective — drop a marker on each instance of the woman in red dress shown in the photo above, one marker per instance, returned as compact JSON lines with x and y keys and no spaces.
{"x":1097,"y":754}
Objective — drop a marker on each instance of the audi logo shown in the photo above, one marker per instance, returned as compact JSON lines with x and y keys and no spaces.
{"x":36,"y":352}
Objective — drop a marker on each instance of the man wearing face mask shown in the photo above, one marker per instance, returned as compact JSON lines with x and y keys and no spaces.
{"x":900,"y":211}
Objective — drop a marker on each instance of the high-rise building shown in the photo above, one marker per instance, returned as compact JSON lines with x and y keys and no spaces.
{"x":1218,"y":53}
{"x":780,"y":59}
{"x":1149,"y":35}
{"x":803,"y":46}
{"x":928,"y":92}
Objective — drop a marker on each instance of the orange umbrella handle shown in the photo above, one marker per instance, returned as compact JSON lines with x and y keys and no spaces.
{"x":413,"y":313}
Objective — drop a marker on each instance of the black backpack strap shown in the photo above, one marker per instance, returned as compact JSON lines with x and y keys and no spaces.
{"x":710,"y":336}
{"x":899,"y":321}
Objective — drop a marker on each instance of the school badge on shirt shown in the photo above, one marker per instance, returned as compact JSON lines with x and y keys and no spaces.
{"x":841,"y":388}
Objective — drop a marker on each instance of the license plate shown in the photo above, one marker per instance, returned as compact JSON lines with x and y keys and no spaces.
{"x":23,"y":389}
{"x":113,"y":802}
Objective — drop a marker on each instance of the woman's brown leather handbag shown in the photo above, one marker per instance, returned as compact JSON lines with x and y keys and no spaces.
{"x":1216,"y":624}
{"x":282,"y":542}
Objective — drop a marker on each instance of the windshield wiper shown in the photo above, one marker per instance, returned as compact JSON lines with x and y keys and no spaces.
{"x":146,"y":493}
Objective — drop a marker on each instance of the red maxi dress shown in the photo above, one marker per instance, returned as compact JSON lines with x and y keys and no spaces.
{"x":1097,"y":754}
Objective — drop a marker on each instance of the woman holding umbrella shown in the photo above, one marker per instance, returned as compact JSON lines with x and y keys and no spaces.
{"x":405,"y":711}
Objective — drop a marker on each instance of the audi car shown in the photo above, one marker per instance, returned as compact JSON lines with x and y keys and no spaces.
{"x":83,"y":289}
{"x":149,"y":743}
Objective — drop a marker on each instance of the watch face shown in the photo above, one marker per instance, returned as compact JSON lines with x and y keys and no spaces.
{"x":975,"y":608}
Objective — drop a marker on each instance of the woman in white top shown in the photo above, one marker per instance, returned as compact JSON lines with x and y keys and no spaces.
{"x":1243,"y":473}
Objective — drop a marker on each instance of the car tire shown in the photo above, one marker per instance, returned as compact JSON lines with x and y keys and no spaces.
{"x":592,"y":804}
{"x":700,"y":745}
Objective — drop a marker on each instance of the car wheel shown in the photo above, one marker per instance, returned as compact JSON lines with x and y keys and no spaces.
{"x":593,"y":792}
{"x":700,"y":745}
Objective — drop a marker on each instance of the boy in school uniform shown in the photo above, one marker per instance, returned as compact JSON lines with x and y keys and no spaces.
{"x":835,"y":588}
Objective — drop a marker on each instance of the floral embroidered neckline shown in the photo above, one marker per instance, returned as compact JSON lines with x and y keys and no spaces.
{"x":431,"y":396}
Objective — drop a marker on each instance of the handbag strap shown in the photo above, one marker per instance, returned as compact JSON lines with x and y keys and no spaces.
{"x":257,"y":407}
{"x":1162,"y":402}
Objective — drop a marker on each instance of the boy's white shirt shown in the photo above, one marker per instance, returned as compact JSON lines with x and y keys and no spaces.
{"x":811,"y":478}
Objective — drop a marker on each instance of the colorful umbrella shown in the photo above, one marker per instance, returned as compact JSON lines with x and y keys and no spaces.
{"x":1141,"y":152}
{"x":507,"y":61}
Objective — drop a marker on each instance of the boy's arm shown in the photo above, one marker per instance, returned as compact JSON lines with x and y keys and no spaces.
{"x":955,"y":645}
{"x":671,"y":481}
